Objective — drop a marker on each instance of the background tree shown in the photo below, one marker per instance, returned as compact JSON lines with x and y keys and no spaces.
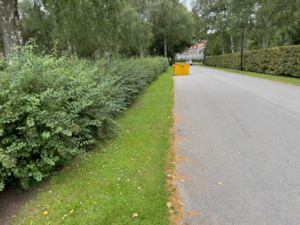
{"x":267,"y":23}
{"x":37,"y":24}
{"x":173,"y":28}
{"x":272,"y":18}
{"x":10,"y":26}
{"x":143,"y":27}
{"x":217,"y":17}
{"x":97,"y":28}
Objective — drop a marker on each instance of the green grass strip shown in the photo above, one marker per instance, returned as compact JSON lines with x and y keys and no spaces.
{"x":283,"y":79}
{"x":120,"y":182}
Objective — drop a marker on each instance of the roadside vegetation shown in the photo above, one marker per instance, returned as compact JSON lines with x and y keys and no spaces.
{"x":53,"y":109}
{"x":68,"y":70}
{"x":235,"y":25}
{"x":280,"y":61}
{"x":122,"y":181}
{"x":254,"y":35}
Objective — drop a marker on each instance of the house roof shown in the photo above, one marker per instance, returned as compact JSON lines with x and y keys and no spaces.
{"x":199,"y":45}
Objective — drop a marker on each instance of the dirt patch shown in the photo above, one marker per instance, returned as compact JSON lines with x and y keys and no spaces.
{"x":192,"y":214}
{"x":11,"y":202}
{"x":176,"y":209}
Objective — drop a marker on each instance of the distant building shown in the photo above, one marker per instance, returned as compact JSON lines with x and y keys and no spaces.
{"x":196,"y":52}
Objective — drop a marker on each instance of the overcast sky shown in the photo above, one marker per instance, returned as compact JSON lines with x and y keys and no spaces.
{"x":187,"y":3}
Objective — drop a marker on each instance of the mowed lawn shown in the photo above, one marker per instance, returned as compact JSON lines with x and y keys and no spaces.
{"x":120,"y":182}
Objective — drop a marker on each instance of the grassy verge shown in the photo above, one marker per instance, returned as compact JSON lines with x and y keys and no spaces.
{"x":120,"y":182}
{"x":284,"y":79}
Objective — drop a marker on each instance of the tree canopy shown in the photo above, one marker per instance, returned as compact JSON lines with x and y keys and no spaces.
{"x":97,"y":28}
{"x":265,"y":23}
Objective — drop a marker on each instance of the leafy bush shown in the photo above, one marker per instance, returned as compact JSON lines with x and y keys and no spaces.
{"x":277,"y":61}
{"x":54,"y":109}
{"x":3,"y":63}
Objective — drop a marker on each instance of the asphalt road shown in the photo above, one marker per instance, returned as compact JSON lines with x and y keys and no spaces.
{"x":238,"y":139}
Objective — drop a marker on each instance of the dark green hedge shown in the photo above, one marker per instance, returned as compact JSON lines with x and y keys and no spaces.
{"x":54,"y":109}
{"x":277,"y":61}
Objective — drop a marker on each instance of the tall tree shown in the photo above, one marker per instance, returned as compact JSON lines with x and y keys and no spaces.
{"x":11,"y":27}
{"x":135,"y":33}
{"x":242,"y":14}
{"x":37,"y":24}
{"x":142,"y":28}
{"x":263,"y":23}
{"x":273,"y":15}
{"x":217,"y":17}
{"x":173,"y":28}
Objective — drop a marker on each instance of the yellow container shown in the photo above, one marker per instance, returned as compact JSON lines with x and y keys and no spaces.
{"x":181,"y":69}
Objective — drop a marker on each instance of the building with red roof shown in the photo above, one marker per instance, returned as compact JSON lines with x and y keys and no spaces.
{"x":195,"y":52}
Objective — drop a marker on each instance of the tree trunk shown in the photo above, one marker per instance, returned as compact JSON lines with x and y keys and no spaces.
{"x":231,"y":44}
{"x":242,"y":49}
{"x":165,"y":48}
{"x":266,"y":33}
{"x":11,"y":27}
{"x":173,"y":58}
{"x":141,"y":52}
{"x":267,"y":39}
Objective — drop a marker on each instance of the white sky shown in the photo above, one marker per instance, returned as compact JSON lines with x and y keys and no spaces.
{"x":187,"y":3}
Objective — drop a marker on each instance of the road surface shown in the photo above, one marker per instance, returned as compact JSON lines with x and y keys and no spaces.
{"x":238,"y":141}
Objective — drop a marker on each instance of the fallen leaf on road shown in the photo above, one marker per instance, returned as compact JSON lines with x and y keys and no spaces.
{"x":193,"y":213}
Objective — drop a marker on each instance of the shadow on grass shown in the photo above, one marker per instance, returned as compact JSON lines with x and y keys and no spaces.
{"x":11,"y":200}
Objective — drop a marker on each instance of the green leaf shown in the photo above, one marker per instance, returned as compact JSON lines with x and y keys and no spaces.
{"x":46,"y":135}
{"x":67,"y":133}
{"x":30,"y":122}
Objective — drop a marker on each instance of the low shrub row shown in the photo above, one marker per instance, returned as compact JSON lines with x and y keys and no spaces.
{"x":54,"y":109}
{"x":277,"y":61}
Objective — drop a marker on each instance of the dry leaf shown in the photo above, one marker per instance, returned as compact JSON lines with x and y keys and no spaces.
{"x":45,"y":212}
{"x":135,"y":215}
{"x":169,"y":204}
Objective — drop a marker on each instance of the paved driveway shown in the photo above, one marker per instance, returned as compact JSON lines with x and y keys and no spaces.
{"x":238,"y":139}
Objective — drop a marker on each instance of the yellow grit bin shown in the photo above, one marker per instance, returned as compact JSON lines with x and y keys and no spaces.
{"x":181,"y":69}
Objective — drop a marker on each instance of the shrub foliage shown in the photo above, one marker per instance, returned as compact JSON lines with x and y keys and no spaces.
{"x":54,"y":109}
{"x":277,"y":61}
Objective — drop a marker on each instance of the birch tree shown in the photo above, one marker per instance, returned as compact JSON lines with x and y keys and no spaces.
{"x":11,"y":27}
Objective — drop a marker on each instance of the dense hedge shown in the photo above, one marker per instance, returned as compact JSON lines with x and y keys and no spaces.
{"x":53,"y":109}
{"x":277,"y":61}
